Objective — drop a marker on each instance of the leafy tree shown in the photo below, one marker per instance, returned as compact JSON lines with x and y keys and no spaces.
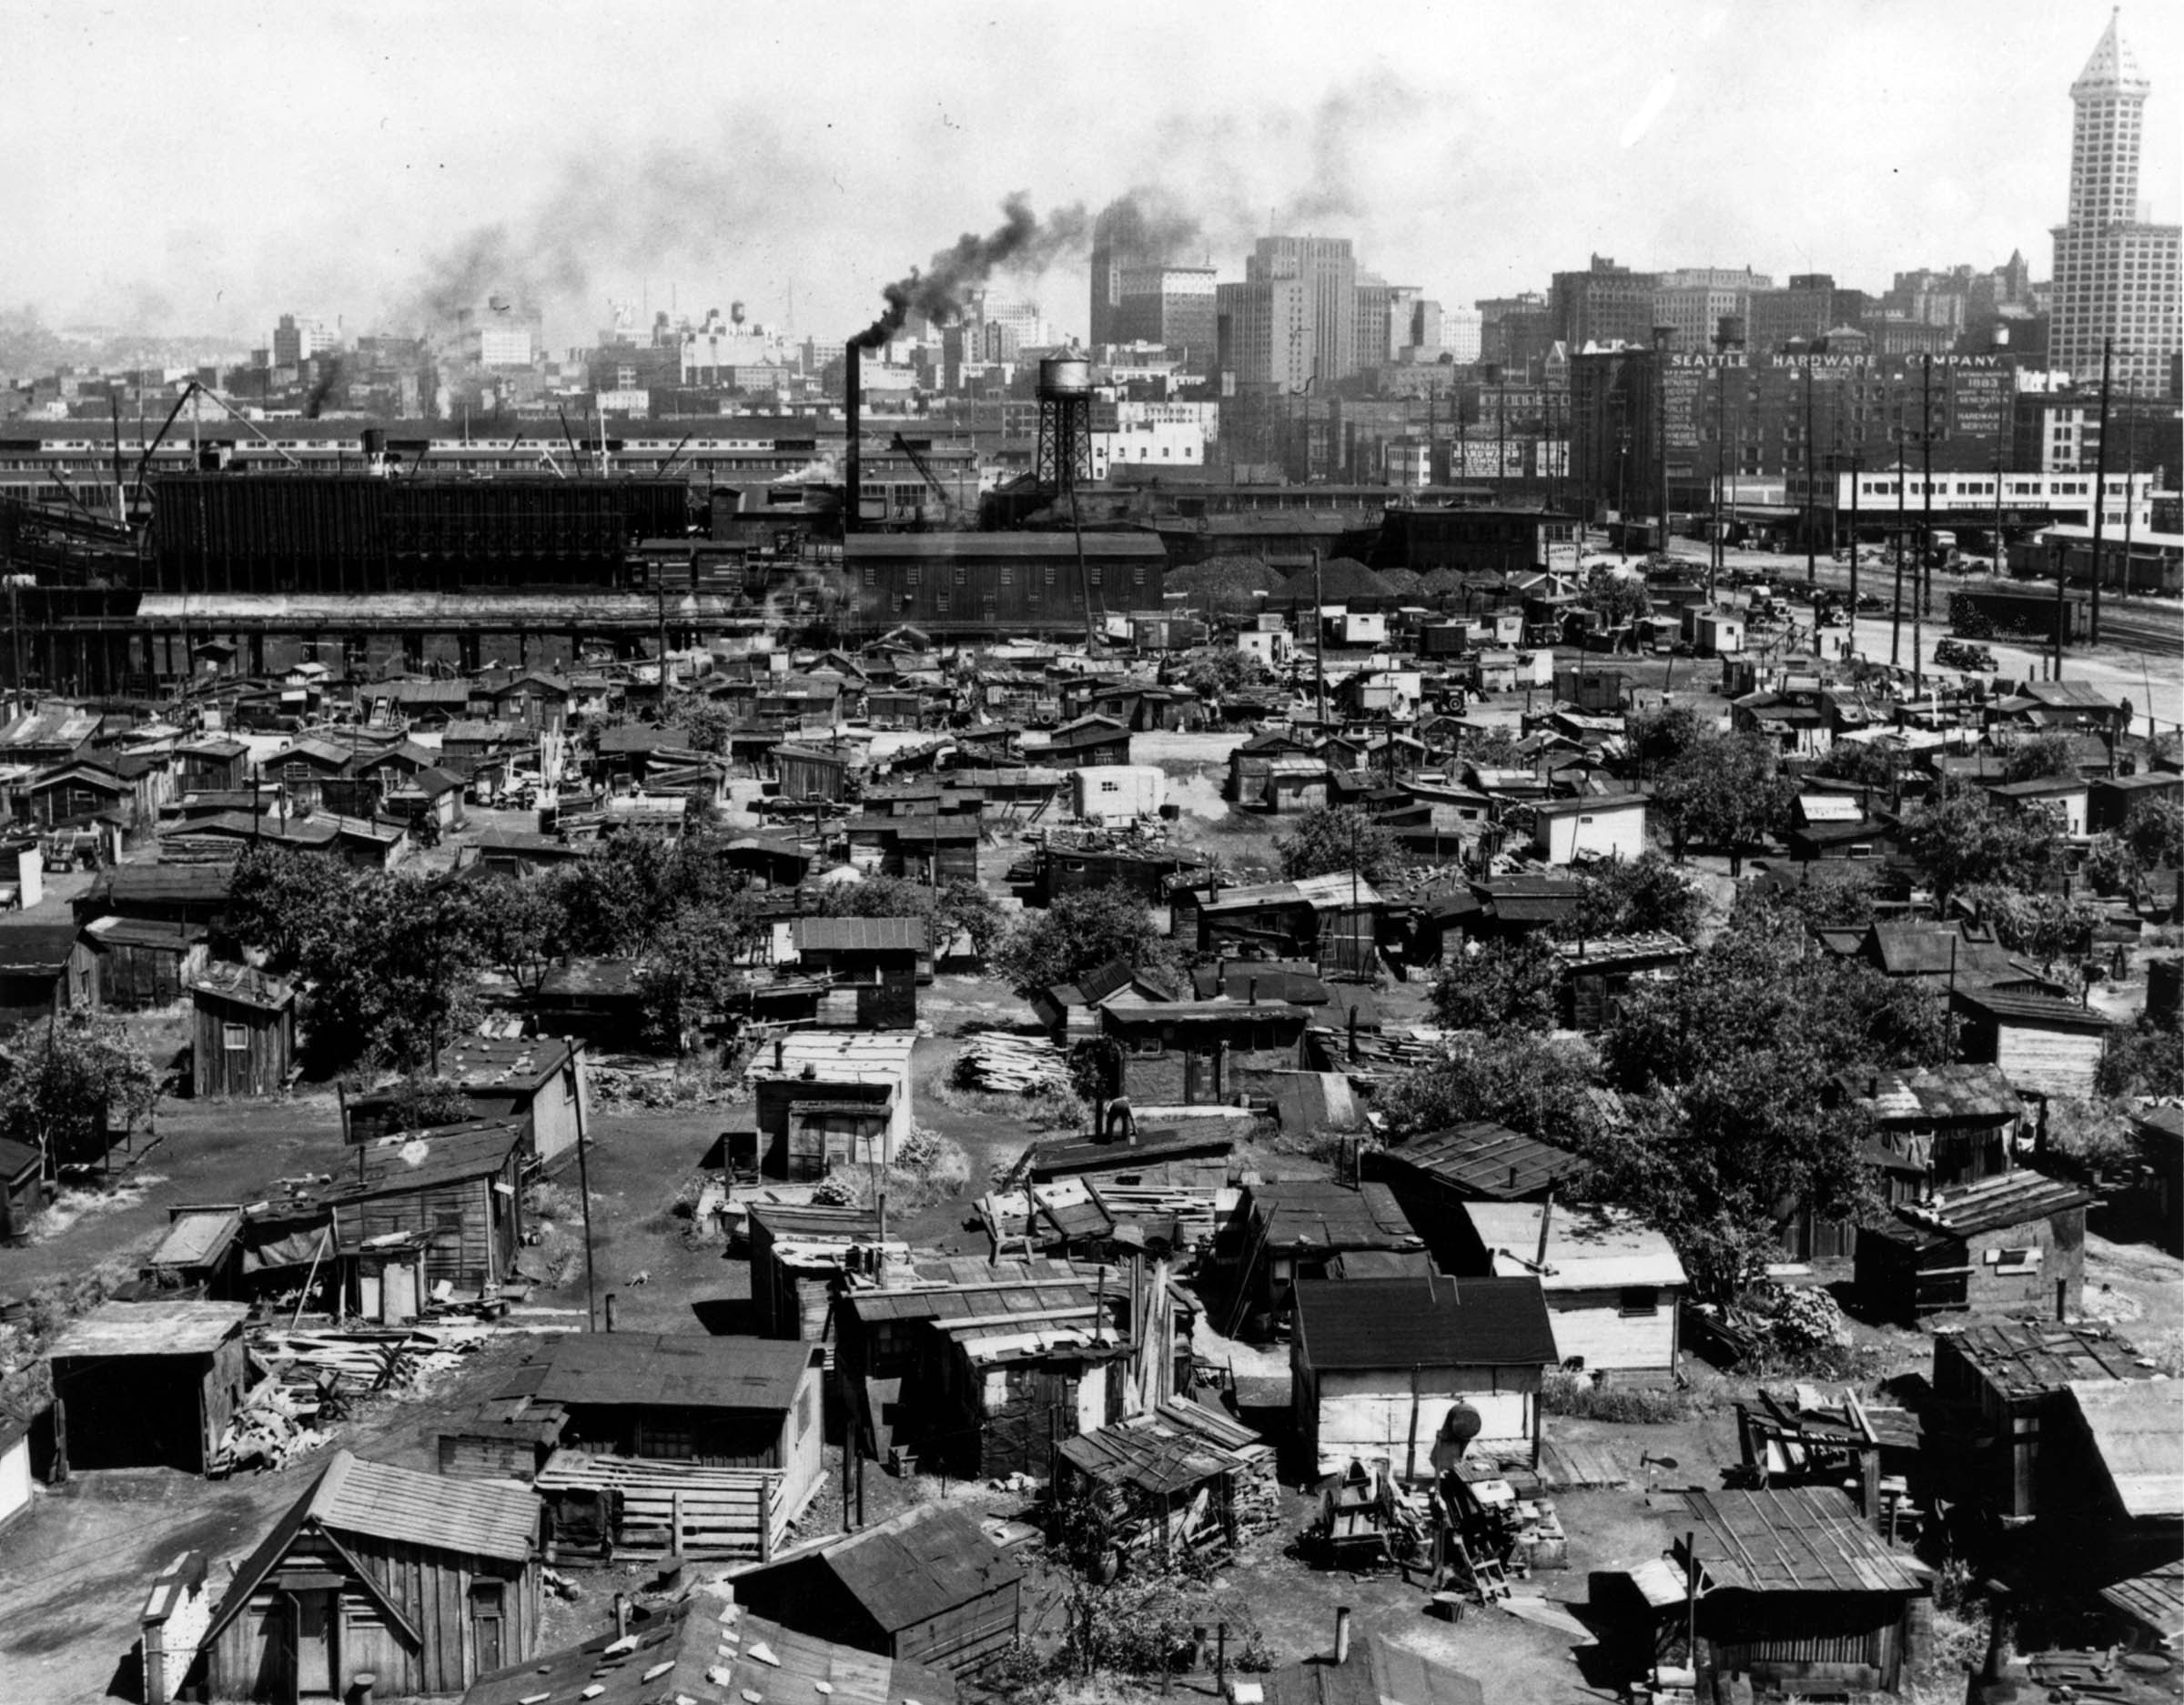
{"x":523,"y":926}
{"x":2051,"y":752}
{"x":1873,"y":763}
{"x":1216,"y":671}
{"x":2111,"y":867}
{"x":1636,"y":897}
{"x":1841,"y":897}
{"x":2044,"y":925}
{"x":1334,"y":839}
{"x":1492,"y":748}
{"x":66,"y":1077}
{"x":418,"y":1102}
{"x":704,"y":723}
{"x":1499,"y":985}
{"x":956,"y":907}
{"x":1619,"y":597}
{"x":1962,"y":841}
{"x":2154,"y":830}
{"x":1541,"y":1086}
{"x":1657,"y":739}
{"x":288,"y":907}
{"x":1726,"y":791}
{"x":1079,"y":933}
{"x":690,"y":968}
{"x":2146,"y":1060}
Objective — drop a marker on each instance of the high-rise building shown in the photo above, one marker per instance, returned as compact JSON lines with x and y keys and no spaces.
{"x":2116,"y":276}
{"x":1461,"y":332}
{"x":1808,"y":307}
{"x":296,"y":341}
{"x":1328,"y":273}
{"x":1169,"y":305}
{"x":1515,"y":330}
{"x":1264,"y":332}
{"x":1603,"y":303}
{"x":1126,"y":238}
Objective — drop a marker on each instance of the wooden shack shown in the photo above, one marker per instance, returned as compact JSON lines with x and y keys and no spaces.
{"x":459,"y":1186}
{"x":45,"y":970}
{"x":243,"y":1033}
{"x":1377,"y":1365}
{"x":709,"y":1651}
{"x":830,"y":1098}
{"x":148,"y":1385}
{"x":1178,"y":1482}
{"x":800,"y":1257}
{"x":1799,"y":1593}
{"x":201,"y":1254}
{"x":2044,"y":1045}
{"x":22,"y":1189}
{"x":1614,"y":1285}
{"x":2010,"y":1380}
{"x":145,"y":961}
{"x":422,"y":1582}
{"x":2014,"y":1242}
{"x":926,"y":1586}
{"x":1435,"y":1173}
{"x":1285,"y":1232}
{"x":2113,"y":1500}
{"x":536,"y":1080}
{"x":1936,"y":1127}
{"x":600,"y":1000}
{"x":1372,"y":1670}
{"x":871,"y":965}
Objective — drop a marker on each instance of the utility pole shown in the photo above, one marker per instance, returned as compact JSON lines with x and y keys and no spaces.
{"x":1721,"y":451}
{"x":2100,"y":502}
{"x":1922,"y":608}
{"x":1320,"y":642}
{"x":1662,"y":334}
{"x":1896,"y":615}
{"x":1812,"y":547}
{"x":1857,"y":467}
{"x":2130,"y":516}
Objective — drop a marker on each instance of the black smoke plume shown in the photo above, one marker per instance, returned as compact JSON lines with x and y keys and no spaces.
{"x":1022,"y":243}
{"x":329,"y":375}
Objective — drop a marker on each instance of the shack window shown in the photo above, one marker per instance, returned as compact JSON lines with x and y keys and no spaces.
{"x":1638,"y":1301}
{"x":235,"y":1038}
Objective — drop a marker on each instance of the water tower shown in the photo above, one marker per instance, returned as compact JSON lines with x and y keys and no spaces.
{"x":1065,"y":455}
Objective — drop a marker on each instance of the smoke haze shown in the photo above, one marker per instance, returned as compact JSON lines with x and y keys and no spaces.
{"x":1022,"y":242}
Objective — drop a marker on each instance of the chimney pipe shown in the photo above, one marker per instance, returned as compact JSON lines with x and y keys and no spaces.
{"x":1254,"y":1001}
{"x":1539,"y":1258}
{"x":779,"y":1045}
{"x":1997,"y":1598}
{"x":852,"y":461}
{"x":1341,"y":1634}
{"x":621,"y":1616}
{"x":1353,"y":1033}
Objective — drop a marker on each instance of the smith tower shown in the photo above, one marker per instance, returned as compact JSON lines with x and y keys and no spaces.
{"x":2114,"y":276}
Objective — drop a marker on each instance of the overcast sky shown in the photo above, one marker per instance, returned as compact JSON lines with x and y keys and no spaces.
{"x":191,"y":166}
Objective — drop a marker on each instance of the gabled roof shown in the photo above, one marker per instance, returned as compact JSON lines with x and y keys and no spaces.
{"x":1436,"y":1323}
{"x":1805,"y":1539}
{"x":661,"y":1370}
{"x":2135,"y":1426}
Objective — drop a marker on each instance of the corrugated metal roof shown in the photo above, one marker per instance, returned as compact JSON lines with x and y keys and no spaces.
{"x":1380,"y":1672}
{"x":1486,"y":1160}
{"x":2134,"y":1427}
{"x":486,"y":1517}
{"x":860,"y":935}
{"x":1176,"y":1445}
{"x":1806,"y":1538}
{"x":2009,"y":1198}
{"x":661,"y":1370}
{"x":1438,"y":1323}
{"x":999,"y":546}
{"x":152,"y":1328}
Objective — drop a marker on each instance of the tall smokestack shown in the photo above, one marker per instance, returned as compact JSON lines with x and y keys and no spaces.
{"x":853,"y":464}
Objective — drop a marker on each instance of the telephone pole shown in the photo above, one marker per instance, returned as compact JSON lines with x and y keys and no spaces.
{"x":1812,"y":547}
{"x":2100,"y":499}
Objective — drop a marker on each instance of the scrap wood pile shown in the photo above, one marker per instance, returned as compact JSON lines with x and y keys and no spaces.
{"x":1014,"y":1065}
{"x":277,"y":1421}
{"x":357,"y":1363}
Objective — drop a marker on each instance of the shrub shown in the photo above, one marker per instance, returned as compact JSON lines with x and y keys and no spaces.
{"x":1578,"y":1397}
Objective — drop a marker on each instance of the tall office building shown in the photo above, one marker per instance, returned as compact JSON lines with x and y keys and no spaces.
{"x":1603,"y":303}
{"x":1129,"y":236}
{"x":1169,"y":305}
{"x":296,"y":341}
{"x":2116,"y":277}
{"x":1328,"y":273}
{"x":1264,"y":332}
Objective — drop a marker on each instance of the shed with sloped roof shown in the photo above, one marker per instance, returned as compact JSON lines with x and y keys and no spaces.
{"x":1377,"y":1366}
{"x":427,"y":1583}
{"x":926,"y":1586}
{"x":150,"y":1383}
{"x":1797,"y":1591}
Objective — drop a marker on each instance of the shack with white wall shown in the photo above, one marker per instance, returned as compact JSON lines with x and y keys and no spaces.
{"x":1116,"y":792}
{"x":1377,"y":1365}
{"x":1613,"y":1283}
{"x":1566,"y":830}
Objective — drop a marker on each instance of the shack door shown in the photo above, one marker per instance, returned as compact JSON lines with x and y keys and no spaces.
{"x":315,"y":1657}
{"x":488,"y":1616}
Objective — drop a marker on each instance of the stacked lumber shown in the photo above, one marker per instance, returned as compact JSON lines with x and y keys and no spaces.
{"x":663,"y":1509}
{"x":1014,"y":1065}
{"x":362,"y":1362}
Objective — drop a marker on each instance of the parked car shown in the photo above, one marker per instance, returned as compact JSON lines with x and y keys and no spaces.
{"x":1962,"y":654}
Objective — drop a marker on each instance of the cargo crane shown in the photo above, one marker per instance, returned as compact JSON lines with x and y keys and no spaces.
{"x":932,"y":479}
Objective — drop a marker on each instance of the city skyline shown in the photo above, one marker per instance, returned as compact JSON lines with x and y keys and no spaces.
{"x":1437,"y":182}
